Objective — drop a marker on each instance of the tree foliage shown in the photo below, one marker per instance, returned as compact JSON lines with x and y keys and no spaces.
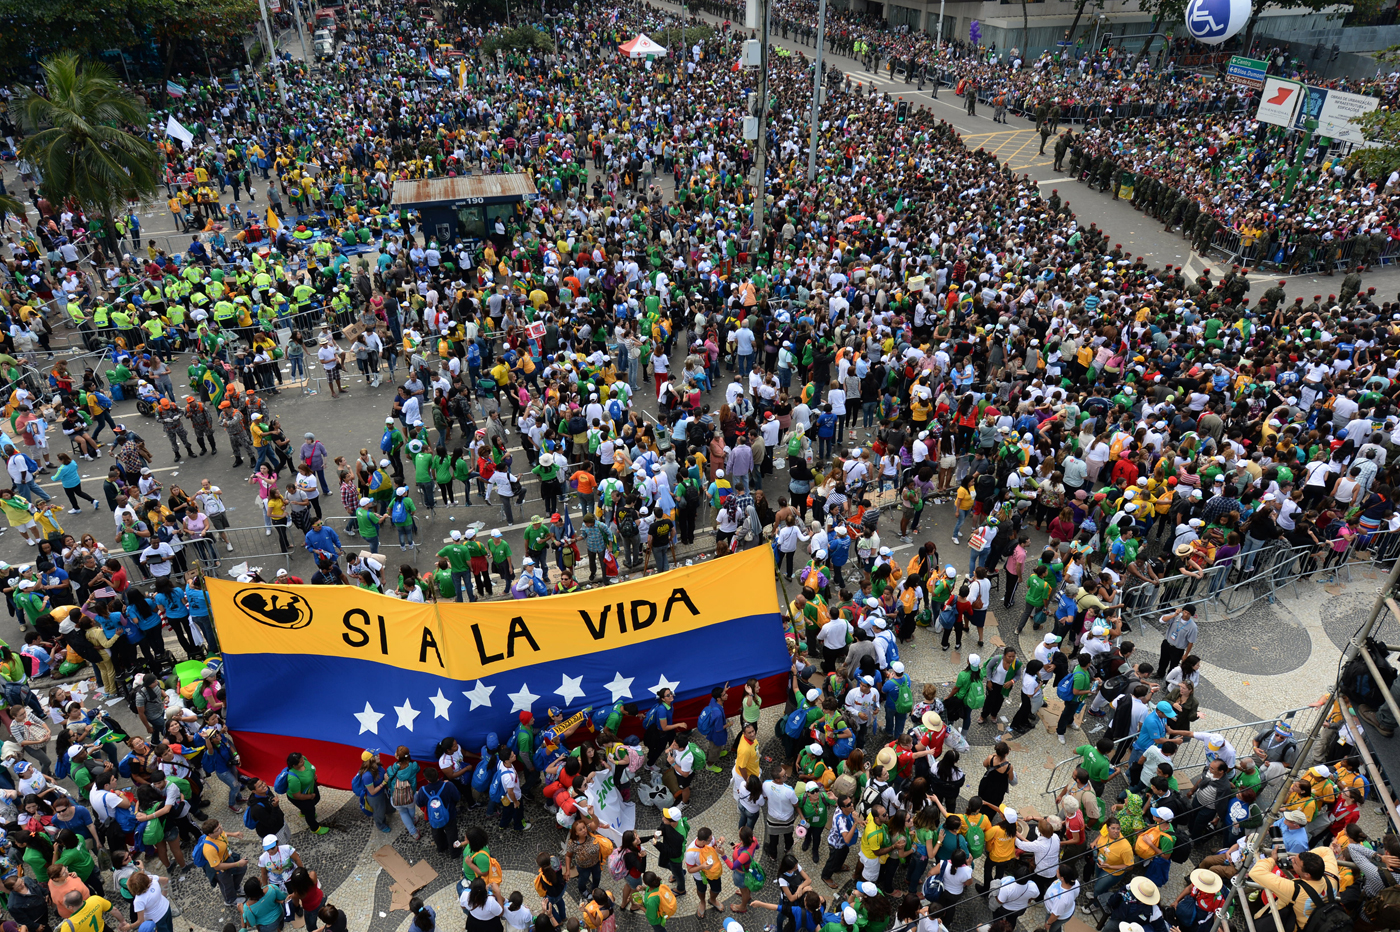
{"x":517,"y":39}
{"x":31,"y":29}
{"x":1381,"y":127}
{"x":76,"y":136}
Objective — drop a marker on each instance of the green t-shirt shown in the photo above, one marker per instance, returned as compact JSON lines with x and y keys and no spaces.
{"x":534,"y":537}
{"x":499,"y":550}
{"x":303,"y":780}
{"x":1037,"y":590}
{"x":1095,"y":764}
{"x":368,"y":522}
{"x":78,"y":860}
{"x":38,"y":865}
{"x":457,"y":557}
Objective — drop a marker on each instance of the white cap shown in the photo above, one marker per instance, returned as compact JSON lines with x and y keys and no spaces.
{"x":456,"y":535}
{"x":974,"y":660}
{"x":1009,"y":814}
{"x":897,"y":666}
{"x":813,"y":694}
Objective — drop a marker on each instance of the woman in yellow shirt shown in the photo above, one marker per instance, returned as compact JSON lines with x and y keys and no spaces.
{"x":1001,"y":845}
{"x":965,"y":500}
{"x":1113,"y":855}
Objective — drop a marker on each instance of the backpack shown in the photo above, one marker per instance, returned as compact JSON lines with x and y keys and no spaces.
{"x":201,"y":860}
{"x":666,"y":908}
{"x":976,"y":694}
{"x":869,"y":797}
{"x":708,"y":723}
{"x":437,"y":812}
{"x":904,"y":699}
{"x":796,"y":723}
{"x":63,"y":767}
{"x":1327,"y":914}
{"x":523,"y":741}
{"x":124,"y":765}
{"x":653,"y":718}
{"x":616,"y":867}
{"x":605,"y":846}
{"x":386,"y":442}
{"x":794,"y":445}
{"x":481,"y":777}
{"x":691,"y":493}
{"x":399,"y":513}
{"x":103,"y":401}
{"x":248,"y":821}
{"x":280,"y":784}
{"x":976,"y":840}
{"x":1065,"y":689}
{"x":403,"y":789}
{"x":627,"y":524}
{"x":1383,"y":909}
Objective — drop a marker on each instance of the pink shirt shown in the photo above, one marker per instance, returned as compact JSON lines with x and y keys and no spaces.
{"x":1016,"y":560}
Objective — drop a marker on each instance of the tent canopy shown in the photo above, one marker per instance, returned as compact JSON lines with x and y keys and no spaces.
{"x":641,"y":47}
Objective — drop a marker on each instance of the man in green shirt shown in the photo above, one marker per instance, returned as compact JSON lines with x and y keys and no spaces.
{"x":302,"y":790}
{"x":367,"y":522}
{"x":1096,"y":764}
{"x":1037,"y":593}
{"x":537,"y":539}
{"x":500,"y":553}
{"x":459,"y":563}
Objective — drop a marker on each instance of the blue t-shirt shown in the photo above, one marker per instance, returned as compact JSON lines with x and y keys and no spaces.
{"x":1295,"y":838}
{"x":1153,"y":727}
{"x":82,"y":818}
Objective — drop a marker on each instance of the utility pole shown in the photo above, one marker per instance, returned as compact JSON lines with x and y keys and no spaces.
{"x":938,"y":33}
{"x":301,"y":32}
{"x":760,"y":202}
{"x":272,"y":50}
{"x":818,"y":83}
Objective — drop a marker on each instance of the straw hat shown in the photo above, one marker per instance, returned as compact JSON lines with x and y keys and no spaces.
{"x":1206,"y":881}
{"x":1144,"y":891}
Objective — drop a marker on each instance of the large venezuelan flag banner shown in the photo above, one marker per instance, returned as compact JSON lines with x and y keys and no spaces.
{"x":333,"y":670}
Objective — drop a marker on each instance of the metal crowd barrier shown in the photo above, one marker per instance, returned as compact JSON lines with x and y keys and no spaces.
{"x":1272,"y":570}
{"x":1191,"y":755}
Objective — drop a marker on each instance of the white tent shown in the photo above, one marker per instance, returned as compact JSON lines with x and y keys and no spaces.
{"x":642,"y":47}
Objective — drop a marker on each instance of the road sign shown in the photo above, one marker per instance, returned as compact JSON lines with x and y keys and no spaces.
{"x":1278,"y":101}
{"x":1248,"y":72}
{"x":1310,"y":106}
{"x":1334,"y":120}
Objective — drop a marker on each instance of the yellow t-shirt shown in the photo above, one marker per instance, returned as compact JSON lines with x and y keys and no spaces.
{"x":1114,"y":857}
{"x":965,"y":499}
{"x":872,"y":839}
{"x":1001,"y":844}
{"x":89,"y":918}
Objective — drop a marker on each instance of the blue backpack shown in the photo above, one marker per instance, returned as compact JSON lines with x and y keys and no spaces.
{"x":653,"y":718}
{"x":711,"y":719}
{"x":1065,"y":689}
{"x":386,"y":442}
{"x":482,"y":774}
{"x":124,"y":765}
{"x":201,"y":860}
{"x":248,"y":817}
{"x":498,"y":789}
{"x":103,"y":401}
{"x":438,"y":815}
{"x":399,"y":513}
{"x":796,"y":722}
{"x":280,"y":784}
{"x":62,"y":767}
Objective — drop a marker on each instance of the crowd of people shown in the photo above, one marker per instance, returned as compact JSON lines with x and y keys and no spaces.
{"x":916,"y":329}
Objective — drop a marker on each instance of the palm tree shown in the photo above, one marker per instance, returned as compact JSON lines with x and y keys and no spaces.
{"x":77,"y":139}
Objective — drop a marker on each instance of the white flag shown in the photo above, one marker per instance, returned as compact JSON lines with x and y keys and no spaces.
{"x":173,"y":128}
{"x":614,"y":815}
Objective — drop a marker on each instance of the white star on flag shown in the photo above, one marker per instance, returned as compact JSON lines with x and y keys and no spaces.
{"x":480,"y":695}
{"x":663,"y":683}
{"x":407,"y":713}
{"x":521,"y":701}
{"x":570,"y":688}
{"x":620,"y":687}
{"x":441,"y":704}
{"x":369,"y":719}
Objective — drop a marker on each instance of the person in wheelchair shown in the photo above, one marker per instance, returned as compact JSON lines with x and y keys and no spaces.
{"x":146,"y":398}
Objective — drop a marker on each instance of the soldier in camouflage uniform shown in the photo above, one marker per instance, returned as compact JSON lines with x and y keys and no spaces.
{"x":1303,"y":255}
{"x":1206,"y":225}
{"x":1188,"y":218}
{"x":1075,"y":157}
{"x":1054,"y":117}
{"x":202,"y":423}
{"x":1272,"y":296}
{"x":1375,"y":243}
{"x":1107,"y":170}
{"x":1178,"y":209}
{"x":171,"y":419}
{"x":1061,"y":146}
{"x":237,"y":427}
{"x":1054,"y":200}
{"x":1351,"y":285}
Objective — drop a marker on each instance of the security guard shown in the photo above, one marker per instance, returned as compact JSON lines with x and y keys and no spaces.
{"x":172,"y":421}
{"x":201,"y":422}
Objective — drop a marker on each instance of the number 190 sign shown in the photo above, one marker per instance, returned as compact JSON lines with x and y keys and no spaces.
{"x":1214,"y":21}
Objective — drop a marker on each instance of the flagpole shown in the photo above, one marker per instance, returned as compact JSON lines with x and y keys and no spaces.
{"x":272,"y":51}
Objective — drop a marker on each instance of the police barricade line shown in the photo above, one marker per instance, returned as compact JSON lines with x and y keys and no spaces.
{"x":1192,"y":754}
{"x":1261,"y":575}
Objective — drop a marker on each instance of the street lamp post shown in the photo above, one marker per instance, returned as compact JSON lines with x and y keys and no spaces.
{"x":818,"y":82}
{"x":761,"y":202}
{"x":204,"y":44}
{"x":272,"y":50}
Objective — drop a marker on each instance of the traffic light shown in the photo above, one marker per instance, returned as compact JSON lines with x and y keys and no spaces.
{"x":901,"y":111}
{"x":1336,"y":52}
